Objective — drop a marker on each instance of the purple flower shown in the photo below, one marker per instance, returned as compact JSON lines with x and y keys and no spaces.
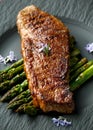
{"x":89,"y":47}
{"x":61,"y":121}
{"x":10,"y":58}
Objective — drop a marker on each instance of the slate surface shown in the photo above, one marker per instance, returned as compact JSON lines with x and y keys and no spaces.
{"x":80,"y":10}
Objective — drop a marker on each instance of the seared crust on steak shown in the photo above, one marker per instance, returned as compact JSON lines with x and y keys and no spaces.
{"x":48,"y":75}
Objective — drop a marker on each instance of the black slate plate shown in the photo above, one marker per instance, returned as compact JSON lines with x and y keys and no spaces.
{"x":82,"y":118}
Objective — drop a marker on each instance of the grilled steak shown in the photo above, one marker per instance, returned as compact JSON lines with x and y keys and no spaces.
{"x":45,"y":50}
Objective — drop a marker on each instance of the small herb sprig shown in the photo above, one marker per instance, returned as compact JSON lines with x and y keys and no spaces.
{"x":46,"y":50}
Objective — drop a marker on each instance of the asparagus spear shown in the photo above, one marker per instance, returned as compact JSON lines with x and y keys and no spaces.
{"x":81,"y":69}
{"x":72,"y":42}
{"x":20,"y":109}
{"x":75,"y":52}
{"x":6,"y":85}
{"x":73,"y":61}
{"x":14,"y":65}
{"x":31,"y":110}
{"x":11,"y":73}
{"x":14,"y":91}
{"x":22,"y":95}
{"x":28,"y":108}
{"x":16,"y":104}
{"x":84,"y":76}
{"x":79,"y":64}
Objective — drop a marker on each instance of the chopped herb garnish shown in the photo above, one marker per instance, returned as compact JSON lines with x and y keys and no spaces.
{"x":61,"y":121}
{"x":45,"y":49}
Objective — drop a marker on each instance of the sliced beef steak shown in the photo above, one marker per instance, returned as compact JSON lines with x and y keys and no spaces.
{"x":45,"y":50}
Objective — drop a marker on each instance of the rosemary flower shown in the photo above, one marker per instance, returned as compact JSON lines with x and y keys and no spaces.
{"x":10,"y":58}
{"x":89,"y":47}
{"x":61,"y":121}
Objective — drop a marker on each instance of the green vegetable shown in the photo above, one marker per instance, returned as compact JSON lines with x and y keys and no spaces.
{"x":14,"y":65}
{"x":81,"y":69}
{"x":8,"y":84}
{"x":73,"y":61}
{"x":28,"y":108}
{"x":17,"y":103}
{"x":21,"y":108}
{"x":79,"y":64}
{"x":46,"y":50}
{"x":75,"y":52}
{"x":72,"y":43}
{"x":82,"y":78}
{"x":31,"y":110}
{"x":22,"y":95}
{"x":11,"y":73}
{"x":14,"y":91}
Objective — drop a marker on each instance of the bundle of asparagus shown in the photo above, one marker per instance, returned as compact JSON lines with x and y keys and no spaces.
{"x":14,"y":85}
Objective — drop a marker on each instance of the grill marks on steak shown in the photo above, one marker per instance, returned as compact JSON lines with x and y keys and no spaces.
{"x":48,"y":76}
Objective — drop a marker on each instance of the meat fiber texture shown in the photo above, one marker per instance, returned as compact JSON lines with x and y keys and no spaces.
{"x":45,"y":50}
